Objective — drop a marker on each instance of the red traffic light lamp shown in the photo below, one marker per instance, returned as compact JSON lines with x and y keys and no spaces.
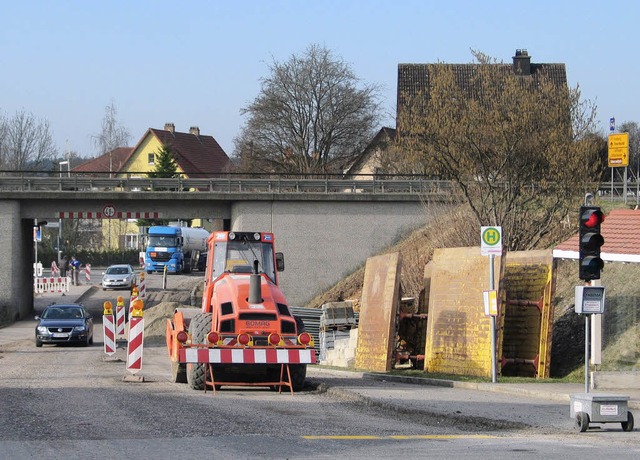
{"x":591,"y":240}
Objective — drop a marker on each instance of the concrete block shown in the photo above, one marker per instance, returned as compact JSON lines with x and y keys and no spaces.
{"x":601,"y":380}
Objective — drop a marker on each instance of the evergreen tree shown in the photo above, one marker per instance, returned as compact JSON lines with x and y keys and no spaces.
{"x":166,"y":165}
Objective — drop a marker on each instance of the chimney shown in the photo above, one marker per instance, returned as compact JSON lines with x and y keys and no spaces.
{"x":170,"y":127}
{"x":194,"y":130}
{"x":522,"y":63}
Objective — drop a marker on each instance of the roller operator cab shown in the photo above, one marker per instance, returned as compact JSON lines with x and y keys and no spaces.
{"x":244,"y":329}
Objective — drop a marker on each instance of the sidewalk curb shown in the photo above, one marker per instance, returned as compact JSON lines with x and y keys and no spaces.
{"x":540,"y":391}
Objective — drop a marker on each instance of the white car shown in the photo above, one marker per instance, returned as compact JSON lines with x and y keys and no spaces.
{"x":119,"y":276}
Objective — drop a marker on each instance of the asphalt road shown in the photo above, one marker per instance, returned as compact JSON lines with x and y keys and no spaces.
{"x":73,"y":402}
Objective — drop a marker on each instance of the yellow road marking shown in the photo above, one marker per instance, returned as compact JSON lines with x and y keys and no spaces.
{"x":418,"y":436}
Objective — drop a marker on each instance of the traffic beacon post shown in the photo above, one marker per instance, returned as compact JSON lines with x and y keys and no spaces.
{"x":589,"y":300}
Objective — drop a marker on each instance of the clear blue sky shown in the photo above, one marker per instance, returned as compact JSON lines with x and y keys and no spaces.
{"x":197,"y":63}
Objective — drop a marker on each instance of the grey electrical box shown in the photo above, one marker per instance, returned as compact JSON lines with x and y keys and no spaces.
{"x":589,"y":300}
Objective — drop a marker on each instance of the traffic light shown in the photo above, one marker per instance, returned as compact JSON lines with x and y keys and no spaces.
{"x":590,"y":242}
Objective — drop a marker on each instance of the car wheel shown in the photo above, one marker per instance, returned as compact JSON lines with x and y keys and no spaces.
{"x":38,"y":343}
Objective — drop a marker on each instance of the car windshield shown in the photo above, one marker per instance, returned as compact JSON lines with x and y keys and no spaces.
{"x":62,"y":313}
{"x":117,"y":271}
{"x":166,"y":241}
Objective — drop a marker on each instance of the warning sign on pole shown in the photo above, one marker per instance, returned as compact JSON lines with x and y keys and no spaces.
{"x":618,"y":150}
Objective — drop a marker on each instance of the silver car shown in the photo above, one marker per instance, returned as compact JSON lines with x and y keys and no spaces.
{"x":119,"y":276}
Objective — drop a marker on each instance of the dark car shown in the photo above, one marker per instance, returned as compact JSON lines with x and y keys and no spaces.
{"x":69,"y":323}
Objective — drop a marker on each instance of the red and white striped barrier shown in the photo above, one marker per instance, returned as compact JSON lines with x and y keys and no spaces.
{"x":247,"y":355}
{"x":142,"y":287}
{"x":55,"y":271}
{"x":51,"y":284}
{"x":120,"y":317}
{"x":109,"y":330}
{"x":134,"y":297}
{"x":87,"y":273}
{"x":136,"y":338}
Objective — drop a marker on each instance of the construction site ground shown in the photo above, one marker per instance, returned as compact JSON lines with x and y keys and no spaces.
{"x":540,"y":406}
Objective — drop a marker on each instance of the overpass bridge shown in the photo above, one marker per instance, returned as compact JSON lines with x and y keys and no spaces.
{"x":325,"y":227}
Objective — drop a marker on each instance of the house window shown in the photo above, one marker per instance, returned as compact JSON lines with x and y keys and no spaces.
{"x":152,"y":158}
{"x":131,"y":241}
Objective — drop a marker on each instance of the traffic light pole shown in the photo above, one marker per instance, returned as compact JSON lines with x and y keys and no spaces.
{"x":587,"y":333}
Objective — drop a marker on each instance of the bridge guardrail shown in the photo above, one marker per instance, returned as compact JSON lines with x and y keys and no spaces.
{"x":25,"y":183}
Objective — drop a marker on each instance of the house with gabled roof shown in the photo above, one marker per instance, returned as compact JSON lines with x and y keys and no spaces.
{"x":414,"y":82}
{"x":368,"y":162}
{"x":414,"y":79}
{"x":196,"y":155}
{"x":109,"y":162}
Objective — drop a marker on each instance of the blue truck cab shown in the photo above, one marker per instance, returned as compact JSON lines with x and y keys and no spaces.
{"x":177,"y":248}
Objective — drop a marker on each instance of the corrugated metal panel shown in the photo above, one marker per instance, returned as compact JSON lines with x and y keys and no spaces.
{"x":458,"y":331}
{"x":378,"y":313}
{"x":529,"y":287}
{"x":311,"y":319}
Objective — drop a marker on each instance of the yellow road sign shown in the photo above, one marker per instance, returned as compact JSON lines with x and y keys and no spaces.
{"x":618,"y":150}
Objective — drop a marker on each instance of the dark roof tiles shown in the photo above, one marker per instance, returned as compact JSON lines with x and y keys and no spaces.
{"x":197,"y":155}
{"x":110,"y":161}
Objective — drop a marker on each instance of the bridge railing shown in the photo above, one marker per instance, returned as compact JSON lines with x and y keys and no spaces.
{"x":25,"y":182}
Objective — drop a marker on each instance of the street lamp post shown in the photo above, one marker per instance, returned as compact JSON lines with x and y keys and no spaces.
{"x":60,"y":164}
{"x":65,"y":162}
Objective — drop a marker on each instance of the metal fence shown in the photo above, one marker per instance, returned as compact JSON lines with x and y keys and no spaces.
{"x":24,"y":182}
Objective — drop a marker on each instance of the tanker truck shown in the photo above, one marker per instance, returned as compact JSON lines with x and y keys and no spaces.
{"x":177,"y":248}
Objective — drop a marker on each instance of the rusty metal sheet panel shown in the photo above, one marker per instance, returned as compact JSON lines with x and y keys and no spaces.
{"x":529,"y":285}
{"x":378,"y":313}
{"x":458,"y":332}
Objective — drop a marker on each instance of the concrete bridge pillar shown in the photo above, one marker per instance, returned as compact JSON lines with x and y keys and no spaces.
{"x":16,"y":278}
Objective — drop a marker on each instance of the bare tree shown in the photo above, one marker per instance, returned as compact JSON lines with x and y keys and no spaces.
{"x":520,"y":151}
{"x":312,"y":115}
{"x":113,"y":134}
{"x":26,"y":143}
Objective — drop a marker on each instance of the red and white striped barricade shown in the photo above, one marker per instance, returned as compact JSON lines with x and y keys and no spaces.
{"x":136,"y":338}
{"x":258,"y":355}
{"x":248,"y":355}
{"x":50,"y":284}
{"x":134,"y":297}
{"x":109,"y":329}
{"x":120,"y":316}
{"x":55,"y":271}
{"x":142,"y":287}
{"x":39,"y":285}
{"x":87,"y":273}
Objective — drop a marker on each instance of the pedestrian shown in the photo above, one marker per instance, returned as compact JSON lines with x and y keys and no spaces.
{"x":75,"y":270}
{"x":63,"y":266}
